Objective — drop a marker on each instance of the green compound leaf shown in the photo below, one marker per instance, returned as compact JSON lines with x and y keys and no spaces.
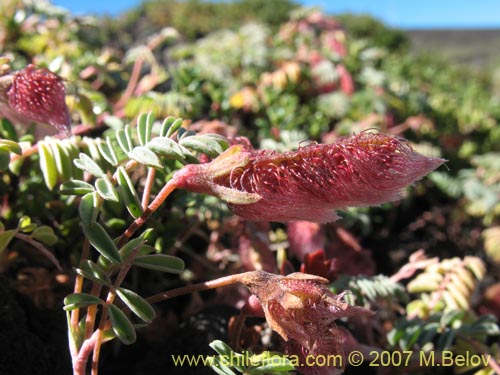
{"x":144,"y":155}
{"x":269,"y":363}
{"x":85,"y":163}
{"x":170,"y":126}
{"x":77,"y":300}
{"x":145,"y":127}
{"x":63,"y":159}
{"x":10,"y":146}
{"x":106,"y":189}
{"x":45,"y":234}
{"x":124,"y":138}
{"x":212,"y":145}
{"x":76,"y":187}
{"x":108,"y":152}
{"x":219,"y":365}
{"x":166,"y":147}
{"x":221,"y":347}
{"x":121,"y":325}
{"x":89,"y":208}
{"x":47,"y":165}
{"x":138,"y":305}
{"x":127,"y":249}
{"x":160,"y":262}
{"x":128,"y":194}
{"x":102,"y":242}
{"x":94,"y":272}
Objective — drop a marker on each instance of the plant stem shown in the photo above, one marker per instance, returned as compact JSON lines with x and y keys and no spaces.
{"x":212,"y":284}
{"x":132,"y":83}
{"x":150,"y":179}
{"x":109,"y":300}
{"x":75,"y":314}
{"x":153,"y":206}
{"x":94,"y":342}
{"x":39,"y":246}
{"x":95,"y":339}
{"x":91,"y":312}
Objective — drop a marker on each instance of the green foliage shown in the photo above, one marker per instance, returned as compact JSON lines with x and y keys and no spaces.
{"x":367,"y":27}
{"x":137,"y":304}
{"x":280,"y":81}
{"x":77,"y":300}
{"x":195,"y":18}
{"x":122,"y":327}
{"x":31,"y":233}
{"x":370,"y":291}
{"x":228,"y":362}
{"x":94,"y":272}
{"x":441,"y":331}
{"x":446,"y":285}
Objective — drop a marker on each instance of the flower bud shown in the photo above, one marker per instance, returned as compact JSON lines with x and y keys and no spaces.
{"x":39,"y":94}
{"x":311,"y":183}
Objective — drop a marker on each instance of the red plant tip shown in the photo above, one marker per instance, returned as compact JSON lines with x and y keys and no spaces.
{"x":310,"y":183}
{"x":302,"y":310}
{"x":316,"y":263}
{"x":39,"y":95}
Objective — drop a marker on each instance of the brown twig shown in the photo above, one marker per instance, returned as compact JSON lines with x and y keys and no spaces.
{"x":212,"y":284}
{"x":132,"y":84}
{"x":39,"y":246}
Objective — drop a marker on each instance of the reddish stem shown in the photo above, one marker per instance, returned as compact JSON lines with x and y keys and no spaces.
{"x":154,"y":205}
{"x":132,"y":84}
{"x":150,"y":179}
{"x":212,"y":284}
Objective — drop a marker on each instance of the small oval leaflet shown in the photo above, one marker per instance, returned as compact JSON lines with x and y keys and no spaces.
{"x":45,"y":234}
{"x":85,"y":163}
{"x":137,"y":304}
{"x":121,"y":325}
{"x":89,"y":208}
{"x":106,"y":189}
{"x":77,"y":300}
{"x":145,"y":156}
{"x":94,"y":272}
{"x":102,"y":242}
{"x":47,"y":165}
{"x":76,"y":187}
{"x":128,"y":193}
{"x":160,"y":262}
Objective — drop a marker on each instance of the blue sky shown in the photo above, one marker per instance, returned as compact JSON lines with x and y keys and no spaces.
{"x":396,"y":13}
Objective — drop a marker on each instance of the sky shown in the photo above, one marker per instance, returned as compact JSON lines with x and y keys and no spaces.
{"x":405,"y":14}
